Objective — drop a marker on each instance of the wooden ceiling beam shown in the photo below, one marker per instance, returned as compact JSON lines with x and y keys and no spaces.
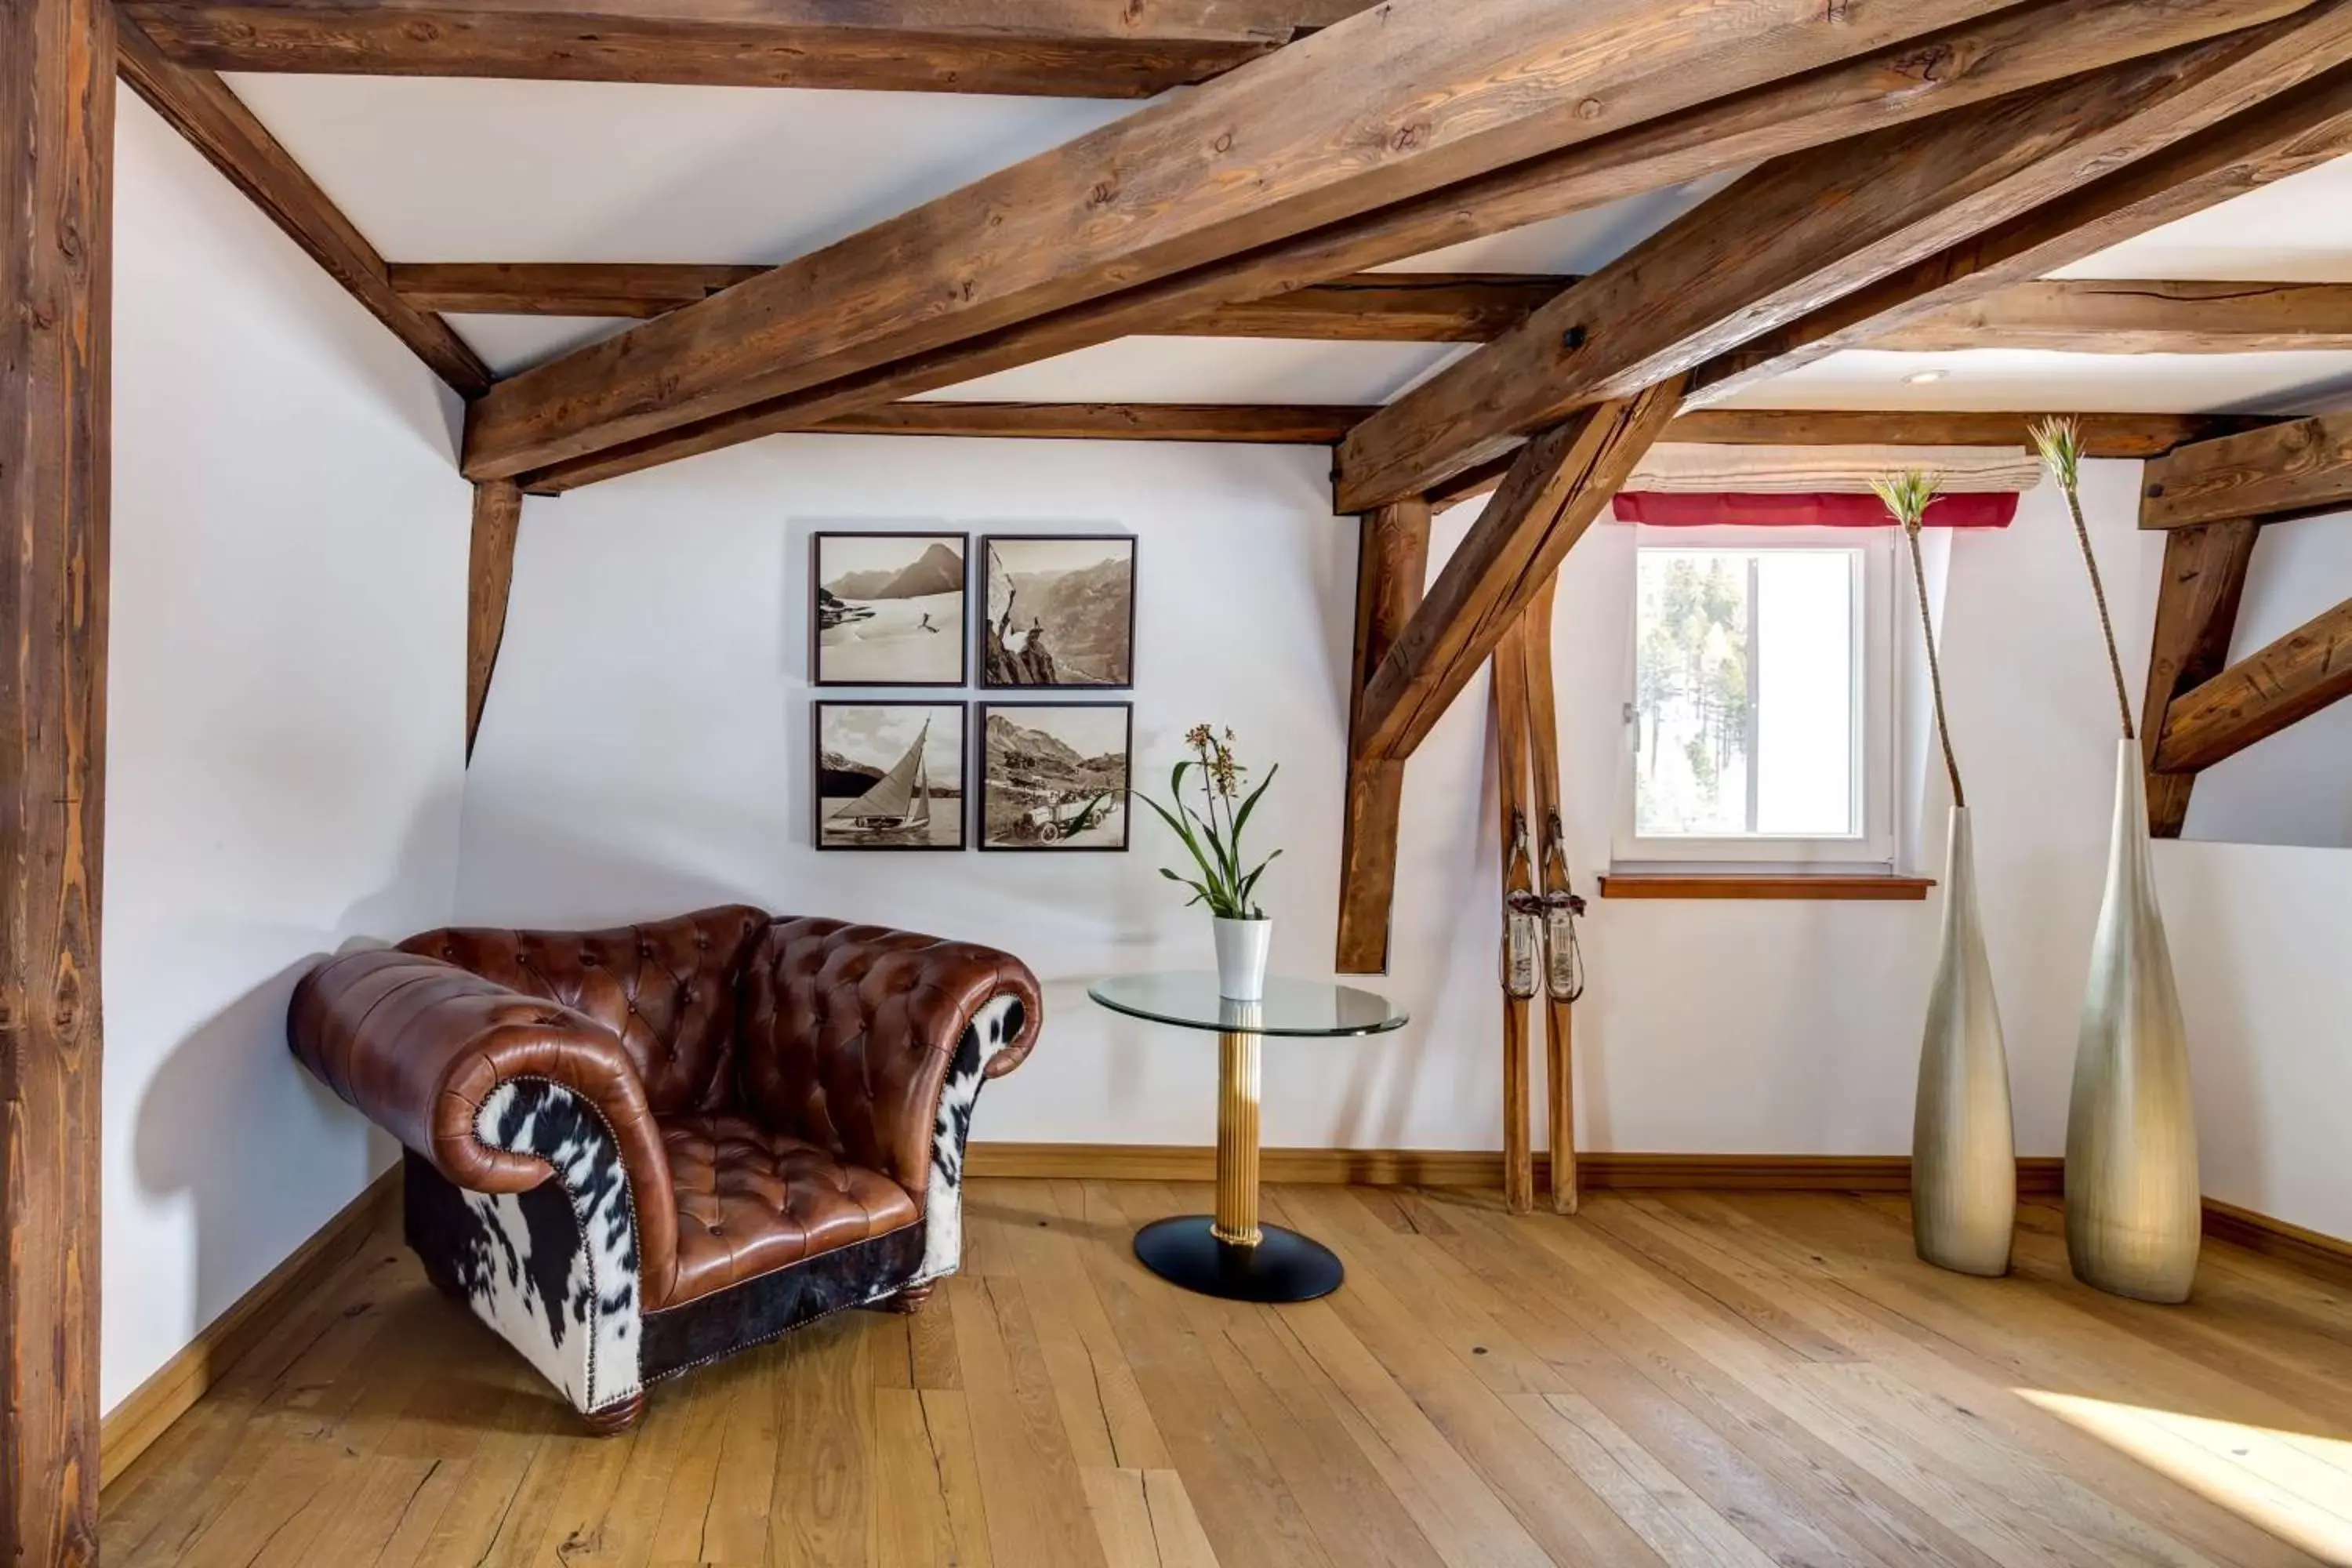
{"x":2138,"y":436}
{"x":200,"y":107}
{"x":1084,"y":48}
{"x":2260,"y":695}
{"x":2298,"y":129}
{"x":1198,"y":217}
{"x":2196,"y":613}
{"x":489,"y":580}
{"x":2292,"y":469}
{"x":1557,"y":486}
{"x":639,"y":289}
{"x":1814,"y":226}
{"x":2127,"y":316}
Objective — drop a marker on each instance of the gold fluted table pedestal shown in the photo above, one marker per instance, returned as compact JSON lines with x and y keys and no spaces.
{"x":1233,"y":1254}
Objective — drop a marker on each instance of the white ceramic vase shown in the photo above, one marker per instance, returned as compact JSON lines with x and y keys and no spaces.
{"x":1963,"y":1142}
{"x":2134,"y":1216}
{"x":1242,"y":948}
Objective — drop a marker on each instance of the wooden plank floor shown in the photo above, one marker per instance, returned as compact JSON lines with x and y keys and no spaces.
{"x":1666,"y":1379}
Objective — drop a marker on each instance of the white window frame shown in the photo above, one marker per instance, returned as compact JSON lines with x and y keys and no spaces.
{"x":1872,"y":849}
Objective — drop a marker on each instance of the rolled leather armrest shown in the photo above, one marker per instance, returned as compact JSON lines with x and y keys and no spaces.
{"x":849,"y":1033}
{"x":417,"y":1045}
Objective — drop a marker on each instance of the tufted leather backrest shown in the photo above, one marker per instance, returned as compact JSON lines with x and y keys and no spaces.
{"x":847,"y":1033}
{"x":667,"y":989}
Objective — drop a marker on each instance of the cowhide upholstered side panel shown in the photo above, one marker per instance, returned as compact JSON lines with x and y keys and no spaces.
{"x":553,"y":1270}
{"x":993,"y":1027}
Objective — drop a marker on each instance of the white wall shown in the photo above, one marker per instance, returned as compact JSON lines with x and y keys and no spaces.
{"x":645,"y":750}
{"x":285,"y":692}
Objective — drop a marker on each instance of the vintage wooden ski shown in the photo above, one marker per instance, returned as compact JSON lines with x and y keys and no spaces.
{"x":1563,"y":966}
{"x":1522,"y":921}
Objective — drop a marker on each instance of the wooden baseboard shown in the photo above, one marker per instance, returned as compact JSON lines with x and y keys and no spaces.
{"x":2277,"y":1237}
{"x":1598,"y":1172}
{"x":179,"y":1382}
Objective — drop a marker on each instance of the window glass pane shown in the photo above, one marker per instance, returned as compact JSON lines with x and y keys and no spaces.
{"x":1744,"y":693}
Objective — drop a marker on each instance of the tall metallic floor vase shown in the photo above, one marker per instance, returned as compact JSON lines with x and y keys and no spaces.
{"x":1963,"y":1144}
{"x":2133,"y":1206}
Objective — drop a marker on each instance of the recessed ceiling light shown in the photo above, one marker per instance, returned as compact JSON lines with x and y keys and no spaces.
{"x":1922,"y":377}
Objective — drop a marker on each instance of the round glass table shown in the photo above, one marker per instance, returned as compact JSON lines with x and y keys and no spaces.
{"x":1230,"y":1254}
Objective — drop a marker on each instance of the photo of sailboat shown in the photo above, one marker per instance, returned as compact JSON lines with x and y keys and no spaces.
{"x":889,"y":775}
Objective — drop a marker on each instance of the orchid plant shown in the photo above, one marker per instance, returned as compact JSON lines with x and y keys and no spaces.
{"x":1213,"y":834}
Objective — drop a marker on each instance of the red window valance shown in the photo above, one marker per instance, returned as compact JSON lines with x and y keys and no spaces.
{"x":1764,"y":508}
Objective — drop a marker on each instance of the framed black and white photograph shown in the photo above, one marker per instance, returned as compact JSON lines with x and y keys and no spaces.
{"x":890,"y":776}
{"x":1060,"y":611}
{"x":888,"y":609}
{"x":1054,"y":775}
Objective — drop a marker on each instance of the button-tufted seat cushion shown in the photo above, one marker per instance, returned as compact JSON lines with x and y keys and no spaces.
{"x":749,"y":1201}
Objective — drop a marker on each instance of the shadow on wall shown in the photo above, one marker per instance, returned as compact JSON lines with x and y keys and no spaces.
{"x":264,"y":1152}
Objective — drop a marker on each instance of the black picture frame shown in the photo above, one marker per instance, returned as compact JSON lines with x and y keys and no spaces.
{"x":1050,"y":844}
{"x":989,"y":678}
{"x":818,"y":592}
{"x":818,"y":815}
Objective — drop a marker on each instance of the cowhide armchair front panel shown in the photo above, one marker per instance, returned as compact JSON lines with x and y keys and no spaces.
{"x":631,"y":1152}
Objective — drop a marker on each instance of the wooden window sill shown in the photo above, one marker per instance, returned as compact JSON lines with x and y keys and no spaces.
{"x":1735,"y":884}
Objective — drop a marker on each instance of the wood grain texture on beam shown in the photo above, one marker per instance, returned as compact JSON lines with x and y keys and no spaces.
{"x":2285,"y":469}
{"x":2121,"y":316}
{"x":640,"y":289}
{"x":1387,"y":106}
{"x":1084,"y":48}
{"x":2299,"y":128}
{"x":1801,"y":229}
{"x":56,"y":260}
{"x":2018,"y":47}
{"x":1392,"y":571}
{"x":2196,"y":612}
{"x":2260,"y":695}
{"x":489,"y":579}
{"x":1270,"y":423}
{"x":1370,"y":307}
{"x":1557,"y":486}
{"x":200,"y":107}
{"x":2139,"y":435}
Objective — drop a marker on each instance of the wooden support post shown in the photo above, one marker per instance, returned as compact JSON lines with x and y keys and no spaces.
{"x":498,"y":519}
{"x":1543,"y":729}
{"x":2196,"y":611}
{"x":1512,"y":765}
{"x":1392,"y":568}
{"x":57,"y":168}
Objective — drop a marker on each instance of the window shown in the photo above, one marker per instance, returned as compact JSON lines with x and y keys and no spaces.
{"x":1759,"y":726}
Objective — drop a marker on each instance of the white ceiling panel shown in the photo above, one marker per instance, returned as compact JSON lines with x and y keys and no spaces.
{"x":434,"y":169}
{"x":2033,"y":379}
{"x":1578,"y":243}
{"x":2298,"y":230}
{"x":512,"y":344}
{"x":1215,"y":370}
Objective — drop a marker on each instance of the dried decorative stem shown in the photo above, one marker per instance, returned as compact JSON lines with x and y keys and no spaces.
{"x":2061,"y":451}
{"x":1906,"y":496}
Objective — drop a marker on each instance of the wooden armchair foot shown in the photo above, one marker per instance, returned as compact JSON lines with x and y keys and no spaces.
{"x":615,"y":1419}
{"x":910,"y":1300}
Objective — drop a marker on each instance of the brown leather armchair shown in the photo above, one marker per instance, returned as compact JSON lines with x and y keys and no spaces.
{"x":631,"y":1152}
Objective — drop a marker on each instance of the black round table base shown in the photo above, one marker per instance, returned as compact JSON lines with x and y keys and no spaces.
{"x":1285,"y":1267}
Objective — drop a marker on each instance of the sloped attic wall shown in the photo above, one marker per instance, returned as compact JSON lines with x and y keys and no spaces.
{"x":286,"y":688}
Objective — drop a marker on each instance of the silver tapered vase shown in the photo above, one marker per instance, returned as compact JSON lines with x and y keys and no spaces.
{"x":2133,"y":1203}
{"x":1963,"y":1142}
